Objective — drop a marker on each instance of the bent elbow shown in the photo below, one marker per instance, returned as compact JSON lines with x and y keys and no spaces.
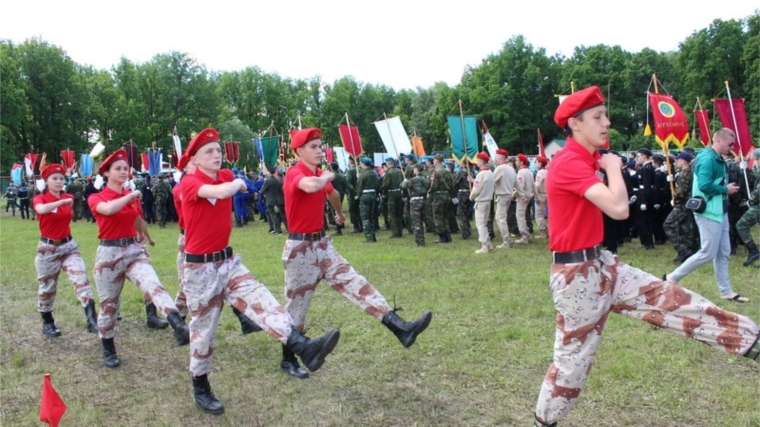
{"x":620,"y":213}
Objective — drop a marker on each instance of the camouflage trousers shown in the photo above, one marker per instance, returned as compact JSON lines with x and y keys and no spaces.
{"x":463,"y":213}
{"x":368,"y":211}
{"x":407,"y":219}
{"x":181,"y":299}
{"x":502,"y":211}
{"x":541,"y":215}
{"x":512,"y":217}
{"x":482,"y":212}
{"x":585,"y":293}
{"x":49,"y":262}
{"x":307,"y":263}
{"x":428,"y":218}
{"x":354,"y":212}
{"x":681,"y":229}
{"x":112,"y":265}
{"x":161,"y":211}
{"x":395,"y":213}
{"x":439,"y":200}
{"x":747,"y":221}
{"x":417,"y":218}
{"x":521,"y":213}
{"x":207,"y":286}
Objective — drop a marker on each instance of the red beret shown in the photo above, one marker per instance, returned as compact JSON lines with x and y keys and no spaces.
{"x":204,"y":137}
{"x":503,"y":152}
{"x":523,"y":158}
{"x":483,"y":156}
{"x":116,"y":155}
{"x":542,"y":159}
{"x":183,"y":160}
{"x":577,"y":103}
{"x":303,"y":136}
{"x":51,"y":169}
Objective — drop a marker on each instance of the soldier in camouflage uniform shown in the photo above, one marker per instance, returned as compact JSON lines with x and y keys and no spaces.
{"x":340,"y":184}
{"x":441,"y":186}
{"x":680,"y":226}
{"x":367,"y":185}
{"x":751,"y":217}
{"x":161,"y":193}
{"x":737,"y":202}
{"x":451,"y":207}
{"x":462,"y":187}
{"x":391,"y":188}
{"x":418,"y":188}
{"x":428,"y":173}
{"x":352,"y":176}
{"x":408,"y":174}
{"x":75,"y":189}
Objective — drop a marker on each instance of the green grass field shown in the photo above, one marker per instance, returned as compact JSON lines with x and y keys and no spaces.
{"x":480,"y":363}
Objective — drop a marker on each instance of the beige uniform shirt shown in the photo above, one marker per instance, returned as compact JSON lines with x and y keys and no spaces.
{"x":525,"y":183}
{"x":482,"y":188}
{"x":504,"y":178}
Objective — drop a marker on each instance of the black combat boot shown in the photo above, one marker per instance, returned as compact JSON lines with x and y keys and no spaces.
{"x":48,"y":325}
{"x":338,"y":230}
{"x":247,"y":325}
{"x":448,"y":236}
{"x":92,"y":320}
{"x":153,"y":321}
{"x":312,"y":351}
{"x":753,"y":255}
{"x":407,"y":332}
{"x":204,"y":398}
{"x":181,"y":331}
{"x":537,"y":423}
{"x":110,"y":359}
{"x":290,"y":364}
{"x":441,"y":238}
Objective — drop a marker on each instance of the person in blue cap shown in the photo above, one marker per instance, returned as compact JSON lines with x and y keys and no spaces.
{"x":391,"y":189}
{"x":367,"y":185}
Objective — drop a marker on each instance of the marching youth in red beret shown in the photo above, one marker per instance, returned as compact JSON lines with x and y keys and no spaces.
{"x":309,"y":254}
{"x":524,"y":194}
{"x":213,"y":274}
{"x":589,"y":283}
{"x":122,"y":254}
{"x":57,"y":251}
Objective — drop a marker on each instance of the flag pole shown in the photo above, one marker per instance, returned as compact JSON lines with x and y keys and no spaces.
{"x":738,"y":139}
{"x":393,"y":142}
{"x":464,"y":144}
{"x":665,"y":148}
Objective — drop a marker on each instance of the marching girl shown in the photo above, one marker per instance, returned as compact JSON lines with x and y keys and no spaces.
{"x":121,"y":254}
{"x":57,"y":251}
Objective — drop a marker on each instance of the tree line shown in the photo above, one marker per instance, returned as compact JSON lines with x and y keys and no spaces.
{"x":51,"y":103}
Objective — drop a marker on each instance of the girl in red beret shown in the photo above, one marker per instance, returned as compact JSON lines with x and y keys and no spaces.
{"x":122,"y":254}
{"x":57,"y":251}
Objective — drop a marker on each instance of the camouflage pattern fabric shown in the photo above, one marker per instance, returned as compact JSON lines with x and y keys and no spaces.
{"x":49,"y":262}
{"x":75,"y":189}
{"x":308,"y":263}
{"x":585,"y":294}
{"x":181,"y":299}
{"x":417,"y":187}
{"x":161,"y":192}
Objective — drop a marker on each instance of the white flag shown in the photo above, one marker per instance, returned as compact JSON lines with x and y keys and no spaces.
{"x":177,"y":146}
{"x":395,"y":138}
{"x":490,"y":144}
{"x":340,"y":157}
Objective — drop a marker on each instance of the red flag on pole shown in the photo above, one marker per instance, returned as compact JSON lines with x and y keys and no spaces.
{"x":52,"y":407}
{"x":670,"y":124}
{"x":236,"y":151}
{"x":146,"y":161}
{"x":228,"y":153}
{"x":703,"y":120}
{"x":541,"y":150}
{"x":351,"y":140}
{"x":175,"y":158}
{"x":743,"y":138}
{"x":329,"y":154}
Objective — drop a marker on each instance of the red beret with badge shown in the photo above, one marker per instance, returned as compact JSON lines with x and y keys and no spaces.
{"x":51,"y":169}
{"x":503,"y":152}
{"x":115,"y":156}
{"x":301,"y":137}
{"x":204,"y":137}
{"x":577,"y":103}
{"x":523,"y":158}
{"x":483,"y":156}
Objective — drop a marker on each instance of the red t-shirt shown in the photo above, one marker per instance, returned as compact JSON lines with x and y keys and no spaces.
{"x":178,"y":203}
{"x":57,"y":224}
{"x":208,"y":222}
{"x":305,"y":211}
{"x":575,"y":223}
{"x":119,"y":225}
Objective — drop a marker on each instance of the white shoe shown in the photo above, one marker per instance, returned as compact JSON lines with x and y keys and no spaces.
{"x":503,"y":246}
{"x":523,"y":240}
{"x":482,"y":251}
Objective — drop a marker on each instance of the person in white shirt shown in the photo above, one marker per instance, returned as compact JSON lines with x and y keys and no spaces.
{"x":524,"y":188}
{"x":504,"y":178}
{"x":482,"y":195}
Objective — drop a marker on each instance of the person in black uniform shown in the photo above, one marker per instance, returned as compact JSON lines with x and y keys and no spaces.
{"x":23,"y":201}
{"x":645,"y":202}
{"x":662,"y":198}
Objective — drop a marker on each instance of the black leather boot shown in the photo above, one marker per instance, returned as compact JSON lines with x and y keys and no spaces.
{"x":312,"y":351}
{"x":110,"y":359}
{"x":181,"y":331}
{"x":153,"y":321}
{"x":537,"y":423}
{"x":48,"y":325}
{"x":204,"y":398}
{"x":290,"y":364}
{"x":247,"y":325}
{"x":753,"y":255}
{"x":92,"y":320}
{"x":407,"y":332}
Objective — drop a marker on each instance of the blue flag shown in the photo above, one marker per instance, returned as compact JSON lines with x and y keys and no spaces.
{"x":154,"y":161}
{"x":85,"y":165}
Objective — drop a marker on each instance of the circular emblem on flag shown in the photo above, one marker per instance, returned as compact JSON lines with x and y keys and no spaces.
{"x":666,"y":109}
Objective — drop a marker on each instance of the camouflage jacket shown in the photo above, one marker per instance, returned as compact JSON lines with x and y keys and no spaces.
{"x":441,"y":180}
{"x":367,"y":180}
{"x":417,"y":186}
{"x":683,"y":184}
{"x":392,"y":179}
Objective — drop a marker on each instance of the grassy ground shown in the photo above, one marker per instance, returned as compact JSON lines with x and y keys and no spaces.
{"x":480,"y":363}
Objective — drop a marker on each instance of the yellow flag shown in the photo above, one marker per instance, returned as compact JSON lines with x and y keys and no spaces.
{"x":647,"y":131}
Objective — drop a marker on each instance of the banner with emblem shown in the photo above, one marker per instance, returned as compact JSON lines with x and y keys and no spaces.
{"x":464,"y":137}
{"x":395,"y":138}
{"x":669,"y":121}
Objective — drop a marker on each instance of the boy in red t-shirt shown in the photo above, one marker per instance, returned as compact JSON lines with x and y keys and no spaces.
{"x":212,"y":274}
{"x":588,"y":283}
{"x":310,"y":257}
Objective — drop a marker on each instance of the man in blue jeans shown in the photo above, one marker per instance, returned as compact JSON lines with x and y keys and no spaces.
{"x":711,"y":183}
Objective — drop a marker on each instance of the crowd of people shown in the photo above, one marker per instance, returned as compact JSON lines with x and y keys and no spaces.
{"x":598,"y":200}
